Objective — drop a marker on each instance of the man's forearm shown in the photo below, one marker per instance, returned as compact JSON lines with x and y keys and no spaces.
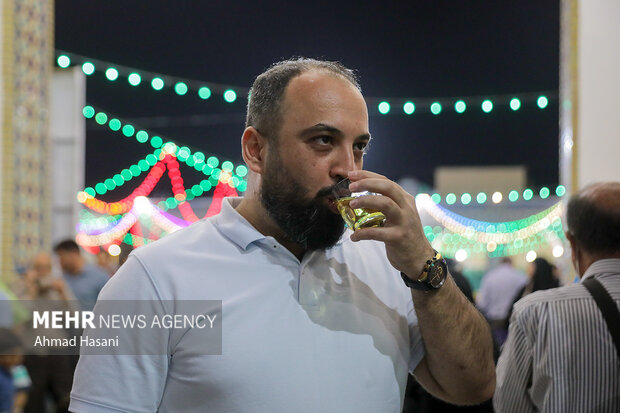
{"x":459,"y":348}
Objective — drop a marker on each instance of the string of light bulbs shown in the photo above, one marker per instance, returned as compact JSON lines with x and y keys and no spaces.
{"x":497,"y":197}
{"x":168,"y":163}
{"x":383,"y":106}
{"x":141,"y":206}
{"x":120,"y":221}
{"x":449,"y":242}
{"x":208,"y":166}
{"x":157,"y":81}
{"x":486,"y":232}
{"x":460,"y":237}
{"x":100,"y":231}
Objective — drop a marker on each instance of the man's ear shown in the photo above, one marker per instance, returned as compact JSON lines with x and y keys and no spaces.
{"x":253,"y":149}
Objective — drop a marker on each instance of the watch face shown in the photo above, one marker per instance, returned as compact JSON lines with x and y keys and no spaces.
{"x":437,"y":274}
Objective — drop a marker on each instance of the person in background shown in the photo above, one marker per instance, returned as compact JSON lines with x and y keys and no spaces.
{"x":11,"y":396}
{"x":84,"y":279}
{"x":496,"y":296}
{"x":461,"y":281}
{"x":125,"y":251}
{"x":541,"y":277}
{"x":107,"y":263}
{"x":22,"y":383}
{"x":560,"y":354}
{"x":556,"y":273}
{"x":51,"y":374}
{"x":41,"y":284}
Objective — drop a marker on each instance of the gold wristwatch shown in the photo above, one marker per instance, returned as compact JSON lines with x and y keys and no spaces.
{"x":433,"y":275}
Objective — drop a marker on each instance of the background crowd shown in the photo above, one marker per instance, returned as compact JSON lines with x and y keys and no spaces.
{"x":41,"y":381}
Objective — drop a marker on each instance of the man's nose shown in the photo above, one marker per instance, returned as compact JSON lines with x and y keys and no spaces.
{"x":344,"y":162}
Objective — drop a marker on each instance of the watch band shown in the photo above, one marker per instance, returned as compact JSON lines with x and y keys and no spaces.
{"x":415,"y":284}
{"x":423,"y":283}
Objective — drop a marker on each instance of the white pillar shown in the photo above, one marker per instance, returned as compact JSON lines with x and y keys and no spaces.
{"x":68,"y":139}
{"x":590,"y":89}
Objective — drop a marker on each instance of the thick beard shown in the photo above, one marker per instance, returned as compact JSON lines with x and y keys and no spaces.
{"x":311,"y":224}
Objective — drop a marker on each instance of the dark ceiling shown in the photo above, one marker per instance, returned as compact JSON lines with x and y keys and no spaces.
{"x":414,"y":49}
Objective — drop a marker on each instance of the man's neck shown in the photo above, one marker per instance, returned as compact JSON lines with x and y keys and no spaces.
{"x":587,"y":259}
{"x":252,"y":210}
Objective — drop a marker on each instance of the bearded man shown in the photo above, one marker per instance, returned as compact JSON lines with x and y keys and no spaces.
{"x":316,"y":318}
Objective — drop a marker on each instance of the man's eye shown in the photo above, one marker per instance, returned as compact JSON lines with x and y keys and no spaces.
{"x":360,"y":146}
{"x":323,"y":140}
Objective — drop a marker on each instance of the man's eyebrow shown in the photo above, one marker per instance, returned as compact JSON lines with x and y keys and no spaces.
{"x":321,"y":127}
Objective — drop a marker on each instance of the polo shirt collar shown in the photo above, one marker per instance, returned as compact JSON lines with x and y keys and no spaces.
{"x":236,"y":228}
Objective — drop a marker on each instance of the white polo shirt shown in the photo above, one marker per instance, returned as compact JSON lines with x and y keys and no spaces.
{"x":336,"y":332}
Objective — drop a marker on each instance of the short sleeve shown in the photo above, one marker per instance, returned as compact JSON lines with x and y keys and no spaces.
{"x":122,"y":383}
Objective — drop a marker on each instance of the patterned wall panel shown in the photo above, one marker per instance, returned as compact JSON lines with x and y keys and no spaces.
{"x":26,"y":163}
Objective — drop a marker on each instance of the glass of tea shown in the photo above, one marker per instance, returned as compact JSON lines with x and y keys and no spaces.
{"x":355,"y":218}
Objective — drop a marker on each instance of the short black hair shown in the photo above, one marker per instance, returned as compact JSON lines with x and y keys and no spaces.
{"x":265,"y":98}
{"x":67,"y":245}
{"x":594,"y":228}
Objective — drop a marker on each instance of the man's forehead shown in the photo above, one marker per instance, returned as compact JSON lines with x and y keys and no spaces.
{"x":321,"y":92}
{"x":314,"y":79}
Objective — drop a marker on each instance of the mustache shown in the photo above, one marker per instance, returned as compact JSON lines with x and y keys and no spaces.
{"x":324,"y":192}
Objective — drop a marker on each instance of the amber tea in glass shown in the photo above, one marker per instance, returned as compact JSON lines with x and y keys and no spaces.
{"x":355,"y":218}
